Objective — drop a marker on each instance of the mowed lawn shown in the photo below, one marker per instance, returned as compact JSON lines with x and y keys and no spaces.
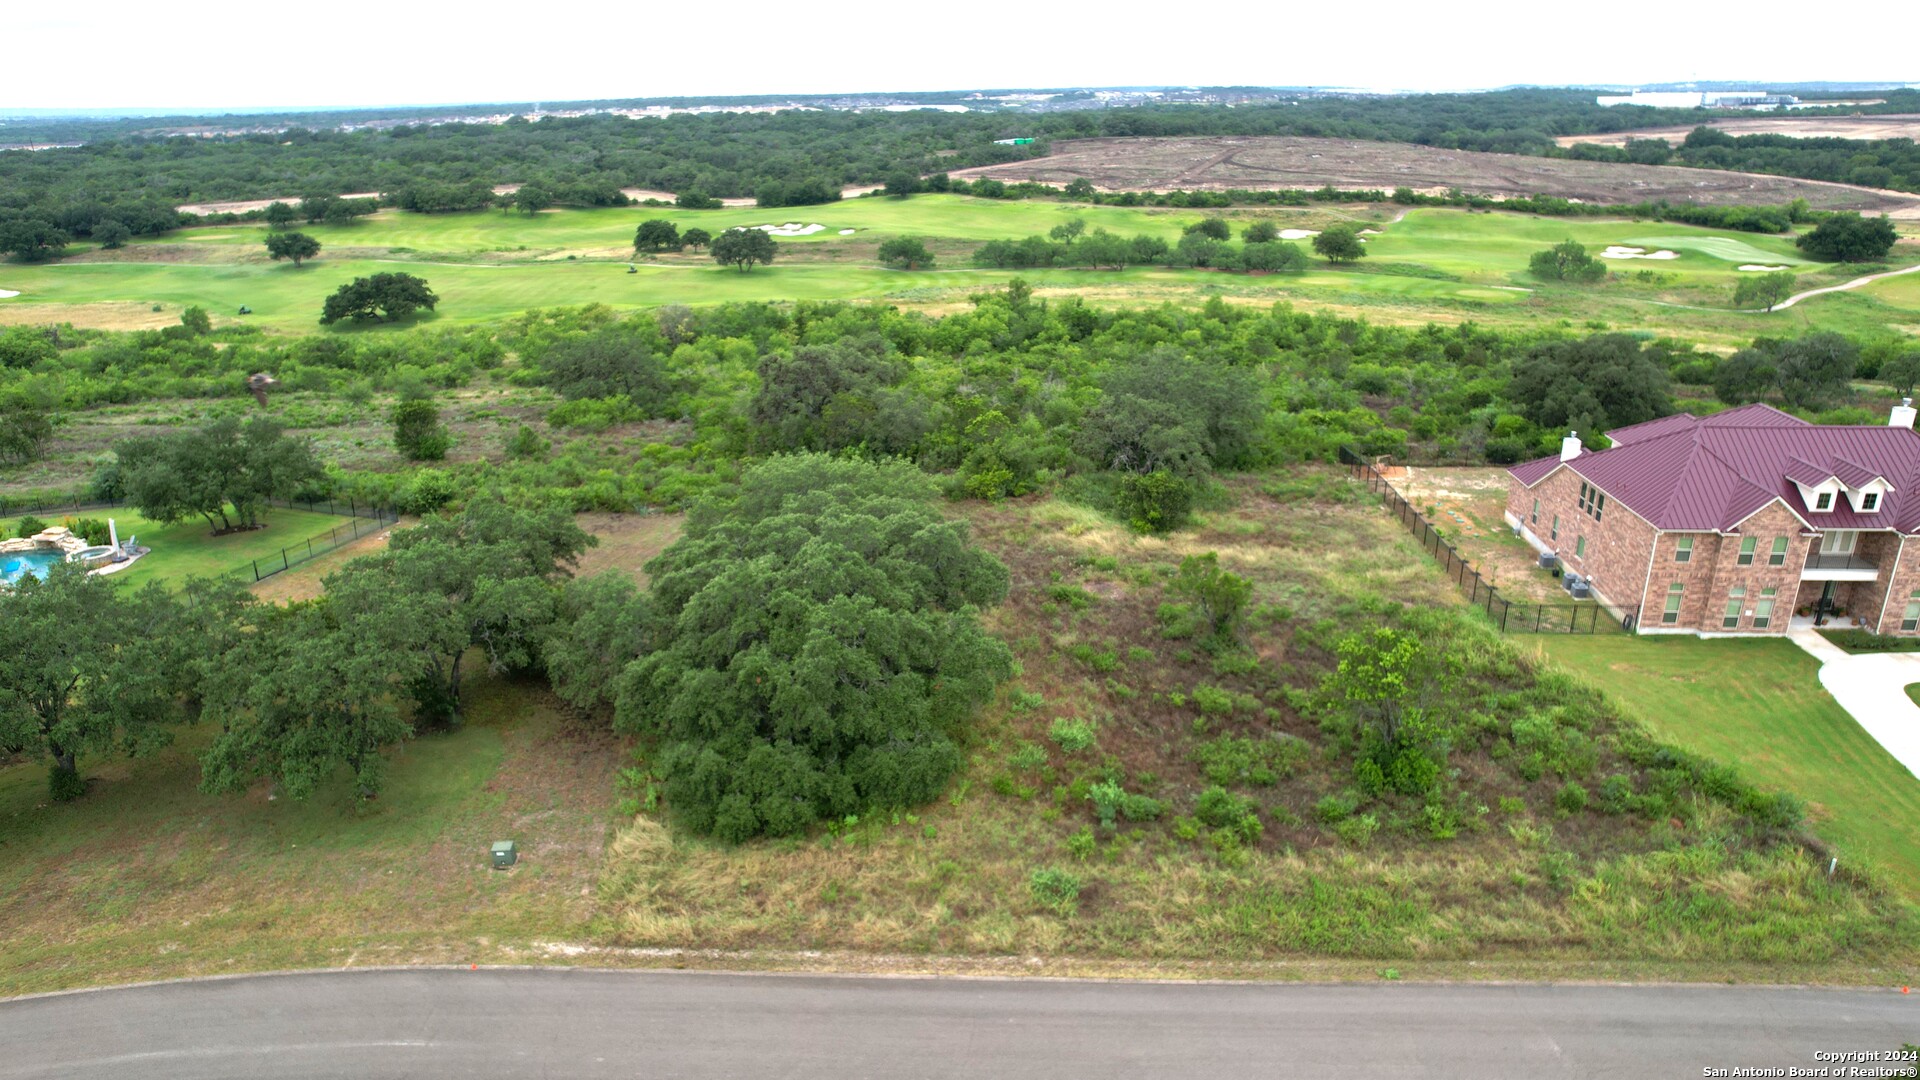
{"x":1759,"y":705}
{"x":189,"y":548}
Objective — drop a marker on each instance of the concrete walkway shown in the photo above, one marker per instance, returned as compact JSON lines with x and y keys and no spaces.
{"x":1872,"y":688}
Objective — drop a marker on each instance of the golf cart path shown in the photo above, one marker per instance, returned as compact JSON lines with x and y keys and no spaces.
{"x":585,"y":1024}
{"x":1854,"y":284}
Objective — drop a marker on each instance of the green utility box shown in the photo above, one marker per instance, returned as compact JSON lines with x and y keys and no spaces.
{"x":504,"y":854}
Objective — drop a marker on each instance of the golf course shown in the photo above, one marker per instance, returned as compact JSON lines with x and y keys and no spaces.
{"x":1426,"y":264}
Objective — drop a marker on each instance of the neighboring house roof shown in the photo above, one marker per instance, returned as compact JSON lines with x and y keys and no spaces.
{"x":1711,"y":473}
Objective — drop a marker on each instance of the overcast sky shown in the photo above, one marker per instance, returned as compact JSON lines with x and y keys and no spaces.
{"x":218,"y":53}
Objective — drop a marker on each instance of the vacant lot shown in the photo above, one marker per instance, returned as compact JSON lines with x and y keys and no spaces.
{"x":1218,"y":162}
{"x":1895,"y":126}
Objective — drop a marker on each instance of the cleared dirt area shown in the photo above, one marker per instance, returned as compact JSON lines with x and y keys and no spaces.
{"x":1892,"y":126}
{"x":1215,"y":163}
{"x":627,"y":541}
{"x":1469,"y":505}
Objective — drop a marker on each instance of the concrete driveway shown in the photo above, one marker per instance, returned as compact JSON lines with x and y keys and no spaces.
{"x":1873,"y":688}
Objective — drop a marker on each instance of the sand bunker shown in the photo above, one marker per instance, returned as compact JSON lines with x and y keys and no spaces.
{"x":791,"y":228}
{"x":1298,"y":234}
{"x":1758,"y":269}
{"x":1369,"y":232}
{"x":846,"y":232}
{"x":6,"y":294}
{"x":1618,"y":252}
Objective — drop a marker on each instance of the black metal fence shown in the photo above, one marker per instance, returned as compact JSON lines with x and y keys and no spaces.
{"x":1521,"y":616}
{"x":366,"y":520}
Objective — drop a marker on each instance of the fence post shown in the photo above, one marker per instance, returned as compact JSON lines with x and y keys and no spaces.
{"x":256,"y":569}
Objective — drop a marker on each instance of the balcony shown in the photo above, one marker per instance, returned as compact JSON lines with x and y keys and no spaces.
{"x":1824,"y":567}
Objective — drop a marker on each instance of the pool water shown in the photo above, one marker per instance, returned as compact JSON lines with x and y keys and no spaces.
{"x":15,"y":567}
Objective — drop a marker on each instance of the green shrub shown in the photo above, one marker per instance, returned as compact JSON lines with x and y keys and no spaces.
{"x":1213,"y":701}
{"x":417,"y":432}
{"x":27,"y":526}
{"x":1072,"y":734}
{"x":1232,"y":760}
{"x":1178,"y":621}
{"x":1571,"y":798}
{"x":1220,"y":596}
{"x":1112,"y":802}
{"x":1358,"y":830}
{"x":1072,"y":596}
{"x":1512,"y":806}
{"x":93,"y":530}
{"x":1028,"y":755}
{"x":1616,"y":794}
{"x":1055,"y":888}
{"x":1155,"y":502}
{"x":65,"y":785}
{"x":1336,"y":807}
{"x":1222,"y":809}
{"x":1081,"y":845}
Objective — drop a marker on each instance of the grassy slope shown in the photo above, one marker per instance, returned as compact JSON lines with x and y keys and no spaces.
{"x":488,"y":264}
{"x":188,"y":548}
{"x":1760,"y":704}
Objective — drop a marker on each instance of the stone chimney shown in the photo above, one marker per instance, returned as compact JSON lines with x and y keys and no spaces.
{"x":1570,"y":446}
{"x":1902,"y":414}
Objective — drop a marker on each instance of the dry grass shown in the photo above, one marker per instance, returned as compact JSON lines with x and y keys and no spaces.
{"x":627,"y":542}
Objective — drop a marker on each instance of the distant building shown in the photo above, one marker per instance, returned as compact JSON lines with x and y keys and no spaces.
{"x":1699,"y":99}
{"x":1012,"y":142}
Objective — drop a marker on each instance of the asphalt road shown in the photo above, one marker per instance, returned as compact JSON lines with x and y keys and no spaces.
{"x":581,"y":1024}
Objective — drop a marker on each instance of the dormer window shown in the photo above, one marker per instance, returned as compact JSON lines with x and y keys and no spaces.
{"x":1824,"y":501}
{"x":1869,"y":502}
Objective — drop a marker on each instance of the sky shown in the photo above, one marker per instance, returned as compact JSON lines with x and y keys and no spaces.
{"x":203,"y":54}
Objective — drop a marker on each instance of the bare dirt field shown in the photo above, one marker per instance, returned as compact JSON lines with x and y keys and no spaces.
{"x":1469,"y":504}
{"x":241,"y":206}
{"x":1891,"y":126}
{"x":1213,"y":163}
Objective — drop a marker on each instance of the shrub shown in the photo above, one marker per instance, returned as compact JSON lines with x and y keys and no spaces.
{"x":429,"y":490}
{"x":1222,"y":809}
{"x":1337,"y":807}
{"x":93,"y":530}
{"x":527,"y":444}
{"x":1071,"y":734}
{"x":1055,"y":888}
{"x":1111,"y":802}
{"x":1235,"y":760}
{"x":1028,"y":756}
{"x":64,"y":784}
{"x":1219,"y":595}
{"x":1081,"y":845}
{"x":28,"y":525}
{"x":417,"y":432}
{"x":1155,"y":502}
{"x":1616,"y":794}
{"x":1358,"y":830}
{"x":1571,"y":798}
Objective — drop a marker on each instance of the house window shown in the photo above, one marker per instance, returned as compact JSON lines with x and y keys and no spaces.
{"x":1536,"y":512}
{"x":1839,"y":542}
{"x":1599,"y":504}
{"x":1746,"y":550}
{"x":1554,"y":533}
{"x":1824,"y":502}
{"x":1735,"y":599}
{"x":1911,"y":619}
{"x":1779,"y":555}
{"x":1583,"y":497}
{"x":1870,"y":502}
{"x":1683,"y":549}
{"x":1580,"y":547}
{"x":1763,"y":609}
{"x":1672,"y":614}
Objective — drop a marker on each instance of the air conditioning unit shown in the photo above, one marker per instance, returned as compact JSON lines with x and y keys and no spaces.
{"x":1548,"y":560}
{"x":1579,"y":589}
{"x":1568,"y":582}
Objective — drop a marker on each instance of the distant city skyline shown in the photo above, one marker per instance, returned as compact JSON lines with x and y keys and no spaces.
{"x":225,"y":55}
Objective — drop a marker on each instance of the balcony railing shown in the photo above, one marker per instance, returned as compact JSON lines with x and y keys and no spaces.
{"x":1816,"y":560}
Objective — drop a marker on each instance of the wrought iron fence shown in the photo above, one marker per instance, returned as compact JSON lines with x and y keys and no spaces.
{"x":1512,"y":616}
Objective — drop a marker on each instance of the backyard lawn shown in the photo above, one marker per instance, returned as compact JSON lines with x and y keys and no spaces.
{"x":1760,"y":705}
{"x":189,"y":548}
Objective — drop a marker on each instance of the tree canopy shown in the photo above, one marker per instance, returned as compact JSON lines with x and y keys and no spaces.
{"x":225,"y":471}
{"x":1764,"y":290}
{"x":657,"y":234}
{"x":1340,"y":243}
{"x":1842,"y":237}
{"x":741,"y":248}
{"x":905,"y":253}
{"x":812,"y":650}
{"x":1591,"y":384}
{"x":291,"y":245}
{"x":380,"y":298}
{"x":1567,"y":261}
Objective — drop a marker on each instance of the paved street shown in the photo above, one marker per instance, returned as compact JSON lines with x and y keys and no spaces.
{"x":582,"y":1024}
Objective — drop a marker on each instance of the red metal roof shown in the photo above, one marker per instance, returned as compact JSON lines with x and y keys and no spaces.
{"x":1710,"y":473}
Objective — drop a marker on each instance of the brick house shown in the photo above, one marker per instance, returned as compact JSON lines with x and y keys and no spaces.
{"x":1736,"y":523}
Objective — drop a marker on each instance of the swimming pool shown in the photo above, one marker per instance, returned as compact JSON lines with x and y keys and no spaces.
{"x":15,"y":567}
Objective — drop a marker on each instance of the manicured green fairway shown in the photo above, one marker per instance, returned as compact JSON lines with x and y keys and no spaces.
{"x":1759,"y":705}
{"x":1433,"y":263}
{"x":188,"y":548}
